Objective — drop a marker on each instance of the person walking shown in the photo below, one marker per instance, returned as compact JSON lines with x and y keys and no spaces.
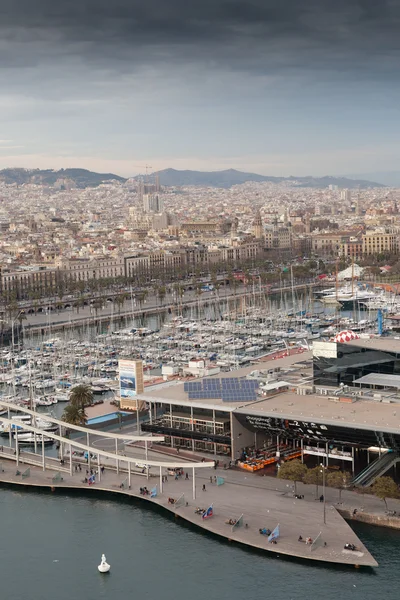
{"x":204,"y":487}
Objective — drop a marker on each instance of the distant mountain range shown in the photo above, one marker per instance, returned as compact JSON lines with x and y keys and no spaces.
{"x":81,"y":178}
{"x":230,"y":177}
{"x":389,"y":178}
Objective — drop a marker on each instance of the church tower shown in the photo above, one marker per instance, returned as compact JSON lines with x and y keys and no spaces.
{"x":257,"y":226}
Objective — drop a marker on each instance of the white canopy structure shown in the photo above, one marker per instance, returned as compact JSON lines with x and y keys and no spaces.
{"x":350,"y":272}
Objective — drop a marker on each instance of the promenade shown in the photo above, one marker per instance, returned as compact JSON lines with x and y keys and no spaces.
{"x":254,"y":498}
{"x":58,"y":319}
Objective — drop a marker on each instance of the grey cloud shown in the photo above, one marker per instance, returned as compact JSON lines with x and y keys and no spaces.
{"x":257,"y":34}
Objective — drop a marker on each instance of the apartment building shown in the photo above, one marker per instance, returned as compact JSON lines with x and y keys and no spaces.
{"x":383,"y":241}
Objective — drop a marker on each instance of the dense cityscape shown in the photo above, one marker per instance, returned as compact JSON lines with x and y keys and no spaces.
{"x":57,"y":238}
{"x":199,"y":299}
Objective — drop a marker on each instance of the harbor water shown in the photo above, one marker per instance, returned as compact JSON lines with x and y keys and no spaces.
{"x":52,"y":544}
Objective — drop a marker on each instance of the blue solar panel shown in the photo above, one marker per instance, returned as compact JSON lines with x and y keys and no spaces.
{"x":230,"y":389}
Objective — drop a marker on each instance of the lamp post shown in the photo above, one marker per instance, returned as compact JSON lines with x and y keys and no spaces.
{"x":323,"y":490}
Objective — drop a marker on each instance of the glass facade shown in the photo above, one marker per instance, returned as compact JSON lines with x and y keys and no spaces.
{"x":197,"y":428}
{"x":352,"y":362}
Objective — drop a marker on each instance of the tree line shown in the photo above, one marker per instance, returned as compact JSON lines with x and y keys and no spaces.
{"x":296,"y":471}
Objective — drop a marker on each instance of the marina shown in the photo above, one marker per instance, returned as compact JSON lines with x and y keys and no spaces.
{"x":226,"y":335}
{"x":39,"y":375}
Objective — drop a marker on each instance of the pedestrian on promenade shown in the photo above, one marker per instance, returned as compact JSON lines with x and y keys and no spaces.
{"x":187,"y":475}
{"x":204,"y":487}
{"x":215,"y":479}
{"x":211,"y":479}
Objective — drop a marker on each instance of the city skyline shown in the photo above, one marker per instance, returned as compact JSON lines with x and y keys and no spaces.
{"x":277,"y":90}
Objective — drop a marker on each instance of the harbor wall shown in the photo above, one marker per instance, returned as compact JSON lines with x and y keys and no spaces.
{"x":371,"y":519}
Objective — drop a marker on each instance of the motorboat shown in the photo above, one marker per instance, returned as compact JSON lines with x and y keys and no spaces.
{"x":29,"y":439}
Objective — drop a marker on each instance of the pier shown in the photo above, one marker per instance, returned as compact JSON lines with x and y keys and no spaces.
{"x":242,"y":499}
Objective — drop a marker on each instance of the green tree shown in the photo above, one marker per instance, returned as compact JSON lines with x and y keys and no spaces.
{"x":315,"y":477}
{"x":292,"y":470}
{"x":81,"y":396}
{"x":339,"y":480}
{"x":120,"y":301}
{"x":74,"y":415}
{"x":385,"y":487}
{"x":161,"y":293}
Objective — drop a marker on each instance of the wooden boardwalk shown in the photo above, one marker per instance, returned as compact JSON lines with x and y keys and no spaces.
{"x":260,"y":508}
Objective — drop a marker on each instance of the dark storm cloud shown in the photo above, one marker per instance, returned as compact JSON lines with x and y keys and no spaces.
{"x":257,"y":35}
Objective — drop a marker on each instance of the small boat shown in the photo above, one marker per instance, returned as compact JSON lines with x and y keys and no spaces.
{"x":104,"y":567}
{"x":29,"y":439}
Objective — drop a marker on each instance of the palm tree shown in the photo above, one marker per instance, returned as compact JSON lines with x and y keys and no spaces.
{"x":81,"y":396}
{"x":74,"y":415}
{"x":161,"y":292}
{"x":119,"y":300}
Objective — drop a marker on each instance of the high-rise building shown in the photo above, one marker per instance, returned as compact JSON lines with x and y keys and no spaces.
{"x":345,"y":195}
{"x":152,"y":203}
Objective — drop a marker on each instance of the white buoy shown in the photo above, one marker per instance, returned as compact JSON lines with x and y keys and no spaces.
{"x":104,"y":567}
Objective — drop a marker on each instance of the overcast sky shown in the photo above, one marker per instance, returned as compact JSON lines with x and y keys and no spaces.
{"x":280,"y":87}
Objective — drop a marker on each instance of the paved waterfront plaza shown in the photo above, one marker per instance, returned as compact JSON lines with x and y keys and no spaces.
{"x":261,"y":507}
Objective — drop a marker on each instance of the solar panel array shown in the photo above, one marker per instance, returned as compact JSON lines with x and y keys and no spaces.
{"x":229,"y":389}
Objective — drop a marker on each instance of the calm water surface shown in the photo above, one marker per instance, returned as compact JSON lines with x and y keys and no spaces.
{"x":51,"y":546}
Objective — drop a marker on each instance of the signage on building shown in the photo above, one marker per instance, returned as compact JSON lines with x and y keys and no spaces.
{"x":325,"y":349}
{"x":130,"y":378}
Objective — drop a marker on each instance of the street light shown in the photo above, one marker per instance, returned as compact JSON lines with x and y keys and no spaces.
{"x":323,"y":490}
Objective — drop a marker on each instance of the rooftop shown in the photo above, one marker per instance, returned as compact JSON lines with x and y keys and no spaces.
{"x":369,"y":411}
{"x":175,"y":394}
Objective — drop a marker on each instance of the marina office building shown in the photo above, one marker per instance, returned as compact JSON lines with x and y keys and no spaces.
{"x":339,"y":402}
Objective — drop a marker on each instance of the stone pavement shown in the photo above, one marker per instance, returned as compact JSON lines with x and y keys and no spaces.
{"x":260,"y":502}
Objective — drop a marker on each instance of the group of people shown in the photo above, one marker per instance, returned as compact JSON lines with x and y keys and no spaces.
{"x":171,"y":500}
{"x":144,"y":491}
{"x":350,"y":547}
{"x":231,"y":521}
{"x":308,"y":540}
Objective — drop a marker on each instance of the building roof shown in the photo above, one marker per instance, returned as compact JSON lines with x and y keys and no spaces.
{"x":386,"y":344}
{"x":380,"y":379}
{"x":174,"y":393}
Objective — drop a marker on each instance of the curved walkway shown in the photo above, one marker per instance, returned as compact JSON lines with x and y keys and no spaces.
{"x":259,"y":507}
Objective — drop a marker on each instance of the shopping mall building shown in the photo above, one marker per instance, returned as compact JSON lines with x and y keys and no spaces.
{"x":338,"y":402}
